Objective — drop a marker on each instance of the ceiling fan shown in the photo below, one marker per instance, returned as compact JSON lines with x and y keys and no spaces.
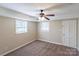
{"x":44,"y":15}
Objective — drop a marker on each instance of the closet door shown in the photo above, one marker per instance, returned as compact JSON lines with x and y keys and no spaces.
{"x":69,"y":33}
{"x":72,"y":33}
{"x":65,"y":33}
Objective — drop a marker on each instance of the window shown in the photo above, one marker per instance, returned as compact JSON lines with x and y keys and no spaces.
{"x":21,"y":26}
{"x":45,"y":26}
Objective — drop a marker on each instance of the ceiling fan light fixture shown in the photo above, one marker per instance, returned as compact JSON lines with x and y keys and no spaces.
{"x":41,"y":18}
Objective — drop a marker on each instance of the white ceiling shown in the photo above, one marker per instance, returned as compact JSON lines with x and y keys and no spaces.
{"x":33,"y":9}
{"x":61,"y":10}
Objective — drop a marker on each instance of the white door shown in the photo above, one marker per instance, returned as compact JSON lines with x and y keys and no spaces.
{"x":66,"y":33}
{"x":69,"y":33}
{"x":72,"y":32}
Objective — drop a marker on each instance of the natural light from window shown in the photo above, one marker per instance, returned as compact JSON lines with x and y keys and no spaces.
{"x":45,"y":26}
{"x":21,"y":26}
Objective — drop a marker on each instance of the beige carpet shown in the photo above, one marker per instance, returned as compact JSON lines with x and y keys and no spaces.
{"x":40,"y":48}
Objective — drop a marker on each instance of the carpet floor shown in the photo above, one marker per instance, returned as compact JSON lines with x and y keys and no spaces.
{"x":41,"y":48}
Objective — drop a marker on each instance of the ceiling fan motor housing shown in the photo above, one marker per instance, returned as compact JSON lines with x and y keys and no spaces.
{"x":41,"y":14}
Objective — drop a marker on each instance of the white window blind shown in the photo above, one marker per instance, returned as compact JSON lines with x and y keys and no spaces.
{"x":45,"y":26}
{"x":21,"y":26}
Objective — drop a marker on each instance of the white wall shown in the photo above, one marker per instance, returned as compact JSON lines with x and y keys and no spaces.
{"x":54,"y":35}
{"x":56,"y":32}
{"x":8,"y":37}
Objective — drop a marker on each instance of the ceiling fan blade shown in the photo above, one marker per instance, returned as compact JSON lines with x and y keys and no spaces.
{"x":46,"y":18}
{"x":50,"y":15}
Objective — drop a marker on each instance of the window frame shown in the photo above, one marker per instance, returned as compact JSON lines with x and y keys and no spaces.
{"x":45,"y":26}
{"x":21,"y":24}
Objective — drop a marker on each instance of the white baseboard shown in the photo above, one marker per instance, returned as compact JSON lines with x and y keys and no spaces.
{"x":49,"y":41}
{"x":15,"y":48}
{"x":54,"y":42}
